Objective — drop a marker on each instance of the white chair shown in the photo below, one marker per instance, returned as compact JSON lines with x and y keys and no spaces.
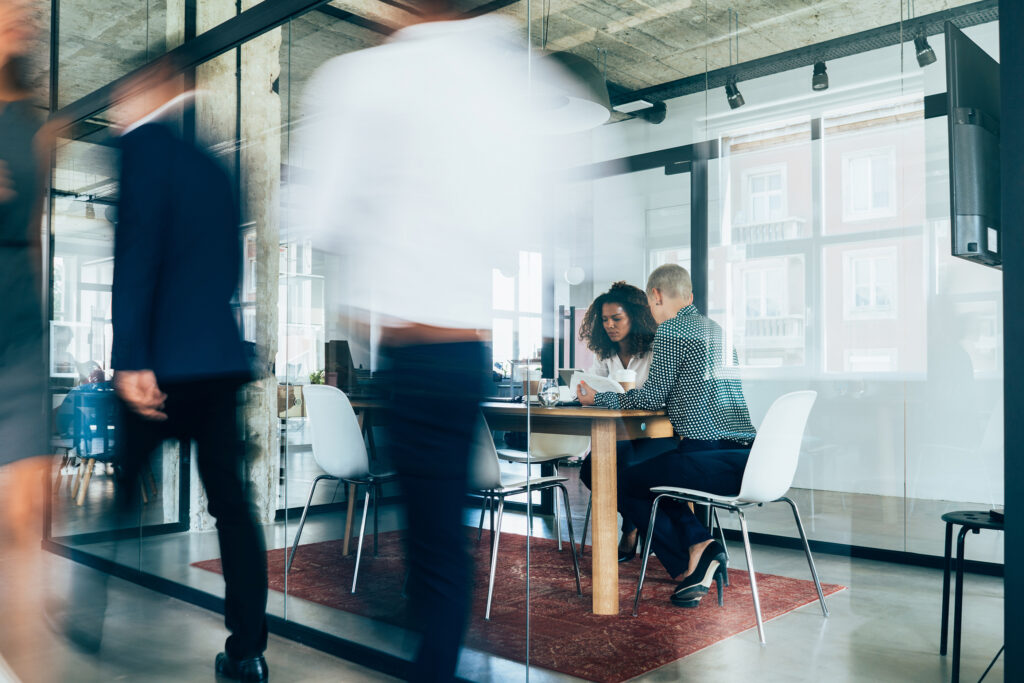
{"x":339,"y":450}
{"x":768,"y":475}
{"x":485,"y":480}
{"x":547,"y":449}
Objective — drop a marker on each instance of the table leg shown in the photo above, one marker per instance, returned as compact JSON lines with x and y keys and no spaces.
{"x":947,"y":561}
{"x":604,"y":505}
{"x":958,"y":602}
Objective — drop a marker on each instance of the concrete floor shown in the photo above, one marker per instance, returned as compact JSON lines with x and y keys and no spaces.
{"x":884,"y":628}
{"x":146,"y":637}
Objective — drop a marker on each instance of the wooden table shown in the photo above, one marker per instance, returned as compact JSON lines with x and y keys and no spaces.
{"x":604,"y":427}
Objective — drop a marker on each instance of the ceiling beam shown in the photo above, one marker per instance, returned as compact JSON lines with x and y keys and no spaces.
{"x":884,"y":36}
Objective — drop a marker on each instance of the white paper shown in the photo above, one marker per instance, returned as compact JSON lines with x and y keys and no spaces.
{"x":597,"y":383}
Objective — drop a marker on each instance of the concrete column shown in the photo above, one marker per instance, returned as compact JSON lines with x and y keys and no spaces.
{"x":260,"y":175}
{"x":256,"y":120}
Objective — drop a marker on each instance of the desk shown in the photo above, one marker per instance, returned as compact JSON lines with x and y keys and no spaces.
{"x":604,"y":427}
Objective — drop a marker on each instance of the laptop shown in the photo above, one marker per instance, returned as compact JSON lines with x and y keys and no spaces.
{"x":566,"y":374}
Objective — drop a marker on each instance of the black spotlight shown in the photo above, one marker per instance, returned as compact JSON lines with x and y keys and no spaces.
{"x":925,"y":53}
{"x":819,"y":81}
{"x":732,"y":94}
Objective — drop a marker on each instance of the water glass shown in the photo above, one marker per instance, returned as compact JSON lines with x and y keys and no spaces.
{"x":548,"y":394}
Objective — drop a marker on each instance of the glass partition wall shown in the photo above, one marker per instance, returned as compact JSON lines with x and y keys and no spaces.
{"x":815,"y":226}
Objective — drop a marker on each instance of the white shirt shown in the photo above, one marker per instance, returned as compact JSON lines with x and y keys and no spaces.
{"x":426,"y":172}
{"x":607,"y":367}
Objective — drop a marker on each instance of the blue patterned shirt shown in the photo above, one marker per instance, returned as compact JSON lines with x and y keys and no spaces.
{"x":703,"y":397}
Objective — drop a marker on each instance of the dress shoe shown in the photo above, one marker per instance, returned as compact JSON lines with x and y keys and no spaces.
{"x":710,"y":567}
{"x":629,"y":554}
{"x":252,"y":670}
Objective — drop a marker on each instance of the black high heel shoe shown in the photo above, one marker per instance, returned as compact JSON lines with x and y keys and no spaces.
{"x":711,"y":567}
{"x":627,"y":555}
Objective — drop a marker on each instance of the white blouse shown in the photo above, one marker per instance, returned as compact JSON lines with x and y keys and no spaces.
{"x":607,"y":367}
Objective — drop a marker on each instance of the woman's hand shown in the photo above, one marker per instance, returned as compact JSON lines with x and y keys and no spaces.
{"x":585,"y":393}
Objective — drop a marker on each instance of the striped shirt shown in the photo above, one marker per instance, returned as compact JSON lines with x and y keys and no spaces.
{"x":703,"y":397}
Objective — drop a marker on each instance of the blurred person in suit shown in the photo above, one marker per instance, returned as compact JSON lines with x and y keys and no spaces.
{"x":427,"y":179}
{"x":177,"y":354}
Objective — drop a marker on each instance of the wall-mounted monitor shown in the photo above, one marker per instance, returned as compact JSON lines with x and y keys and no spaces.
{"x":972,"y":90}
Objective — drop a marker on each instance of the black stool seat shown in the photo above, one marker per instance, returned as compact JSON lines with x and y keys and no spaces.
{"x":973,"y":519}
{"x":969,"y":521}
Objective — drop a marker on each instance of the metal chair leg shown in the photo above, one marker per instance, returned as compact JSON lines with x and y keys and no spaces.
{"x":496,"y":536}
{"x":947,"y":566}
{"x":485,"y":503}
{"x":715,"y":522}
{"x":302,"y":520}
{"x":586,"y":523}
{"x":753,"y":579}
{"x":807,"y":551}
{"x":376,"y":515}
{"x":646,"y":554}
{"x":572,"y":541}
{"x":558,"y":521}
{"x":362,"y":530}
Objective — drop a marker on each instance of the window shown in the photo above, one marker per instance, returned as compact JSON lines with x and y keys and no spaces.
{"x":765,"y":195}
{"x":869,"y":283}
{"x":870,"y":360}
{"x":869,"y":184}
{"x":517,"y":300}
{"x":764,"y":291}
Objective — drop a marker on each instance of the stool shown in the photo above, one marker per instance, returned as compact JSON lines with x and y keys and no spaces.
{"x":969,"y":520}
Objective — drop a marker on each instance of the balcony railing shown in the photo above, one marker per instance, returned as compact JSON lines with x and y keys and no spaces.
{"x":773,"y":231}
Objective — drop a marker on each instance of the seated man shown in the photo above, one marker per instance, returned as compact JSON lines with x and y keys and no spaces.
{"x":709,"y":415}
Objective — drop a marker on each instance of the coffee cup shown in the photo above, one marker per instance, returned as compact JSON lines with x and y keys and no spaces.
{"x":627,"y":378}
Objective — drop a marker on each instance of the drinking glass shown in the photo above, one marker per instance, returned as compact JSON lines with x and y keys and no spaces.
{"x":548,"y":393}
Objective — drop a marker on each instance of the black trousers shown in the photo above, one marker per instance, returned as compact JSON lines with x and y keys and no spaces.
{"x":205,"y":411}
{"x":631,"y":453}
{"x":435,"y":394}
{"x":716,"y":469}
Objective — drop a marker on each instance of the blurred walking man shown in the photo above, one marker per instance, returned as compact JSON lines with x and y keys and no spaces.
{"x":177,"y":353}
{"x":424,"y":161}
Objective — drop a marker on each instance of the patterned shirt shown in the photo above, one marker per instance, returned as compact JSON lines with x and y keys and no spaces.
{"x":704,"y":398}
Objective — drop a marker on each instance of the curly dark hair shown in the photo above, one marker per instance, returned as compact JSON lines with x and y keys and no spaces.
{"x":641,"y":323}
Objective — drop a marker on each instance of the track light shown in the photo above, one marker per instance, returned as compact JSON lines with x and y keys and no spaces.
{"x":925,"y":53}
{"x":732,"y":94}
{"x":819,"y":81}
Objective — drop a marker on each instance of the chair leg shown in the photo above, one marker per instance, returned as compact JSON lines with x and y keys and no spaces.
{"x":558,"y":521}
{"x":362,"y":531}
{"x":84,"y":485}
{"x":721,"y":535}
{"x":376,"y":515}
{"x":485,"y":503}
{"x":586,"y":523}
{"x":302,"y":521}
{"x":496,"y":536}
{"x":572,"y":540}
{"x":145,"y":498}
{"x":807,"y":551}
{"x":646,"y":554}
{"x":753,"y":579}
{"x":76,"y":481}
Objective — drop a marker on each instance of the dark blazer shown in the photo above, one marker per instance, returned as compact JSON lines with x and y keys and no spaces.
{"x":177,"y":260}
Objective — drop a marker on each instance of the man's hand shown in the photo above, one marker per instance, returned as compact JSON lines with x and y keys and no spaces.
{"x":585,"y":393}
{"x":138,"y":388}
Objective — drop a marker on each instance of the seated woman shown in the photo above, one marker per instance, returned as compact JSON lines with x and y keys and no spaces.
{"x":619,"y":329}
{"x":692,"y":377}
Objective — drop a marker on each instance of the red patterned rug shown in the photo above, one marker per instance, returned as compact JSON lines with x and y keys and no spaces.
{"x":565,"y":636}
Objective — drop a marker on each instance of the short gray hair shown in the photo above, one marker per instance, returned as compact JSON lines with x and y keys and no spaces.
{"x":671,"y":279}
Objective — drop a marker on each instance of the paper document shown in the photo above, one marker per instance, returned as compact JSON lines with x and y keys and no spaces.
{"x":597,"y":383}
